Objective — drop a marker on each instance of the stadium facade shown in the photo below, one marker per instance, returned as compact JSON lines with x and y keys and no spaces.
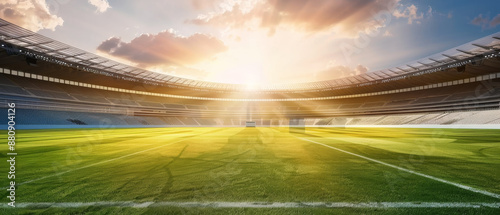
{"x":56,"y":84}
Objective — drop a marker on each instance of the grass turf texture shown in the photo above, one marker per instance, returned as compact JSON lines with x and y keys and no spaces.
{"x":252,"y":165}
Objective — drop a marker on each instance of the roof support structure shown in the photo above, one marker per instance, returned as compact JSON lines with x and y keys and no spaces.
{"x":424,"y":63}
{"x":39,"y":44}
{"x":375,"y":74}
{"x":451,"y":57}
{"x":359,"y":78}
{"x":483,"y":47}
{"x":88,"y":60}
{"x":76,"y":55}
{"x":109,"y":67}
{"x":388,"y":76}
{"x":437,"y":61}
{"x":401,"y":69}
{"x":19,"y":37}
{"x":393,"y":71}
{"x":415,"y":68}
{"x":55,"y":50}
{"x":466,"y":52}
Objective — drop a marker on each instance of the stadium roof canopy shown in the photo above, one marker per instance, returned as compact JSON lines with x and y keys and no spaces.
{"x":72,"y":56}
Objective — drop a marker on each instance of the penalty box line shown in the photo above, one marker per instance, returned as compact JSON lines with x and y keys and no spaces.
{"x":107,"y":161}
{"x":130,"y":204}
{"x":465,"y":187}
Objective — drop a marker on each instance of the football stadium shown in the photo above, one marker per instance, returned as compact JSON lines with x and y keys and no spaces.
{"x":88,"y":134}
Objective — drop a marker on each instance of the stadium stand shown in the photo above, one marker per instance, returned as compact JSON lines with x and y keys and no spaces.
{"x":188,"y":121}
{"x":172,"y":121}
{"x":87,"y":98}
{"x":13,"y":90}
{"x":485,"y":117}
{"x":65,"y":84}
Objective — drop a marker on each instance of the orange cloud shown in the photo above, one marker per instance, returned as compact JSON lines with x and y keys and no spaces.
{"x":339,"y":71}
{"x":485,"y":22}
{"x":308,"y":15}
{"x":495,"y":21}
{"x":30,"y":14}
{"x":165,"y":48}
{"x":101,"y":5}
{"x":411,"y":14}
{"x":204,"y":4}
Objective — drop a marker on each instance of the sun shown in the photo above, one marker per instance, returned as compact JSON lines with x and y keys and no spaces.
{"x":249,"y":72}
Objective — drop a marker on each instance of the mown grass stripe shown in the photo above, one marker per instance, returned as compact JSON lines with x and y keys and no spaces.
{"x":131,"y":204}
{"x":465,"y":187}
{"x":184,"y":138}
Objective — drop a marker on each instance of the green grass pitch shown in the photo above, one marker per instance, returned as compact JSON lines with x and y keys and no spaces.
{"x":252,"y":165}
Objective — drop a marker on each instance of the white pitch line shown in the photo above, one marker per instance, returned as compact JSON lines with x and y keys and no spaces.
{"x":130,"y":204}
{"x":106,"y":161}
{"x":465,"y":187}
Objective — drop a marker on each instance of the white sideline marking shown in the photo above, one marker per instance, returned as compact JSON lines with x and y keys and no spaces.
{"x":453,"y":126}
{"x":106,"y":161}
{"x":494,"y":195}
{"x":130,"y":204}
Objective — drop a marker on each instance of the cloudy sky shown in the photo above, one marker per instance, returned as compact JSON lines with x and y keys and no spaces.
{"x":259,"y":41}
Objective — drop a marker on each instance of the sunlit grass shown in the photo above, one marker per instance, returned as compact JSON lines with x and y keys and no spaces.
{"x":252,"y":164}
